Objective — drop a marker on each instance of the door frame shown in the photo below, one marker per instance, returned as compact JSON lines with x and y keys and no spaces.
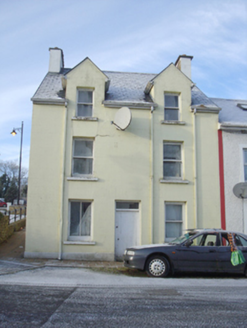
{"x":127,"y":210}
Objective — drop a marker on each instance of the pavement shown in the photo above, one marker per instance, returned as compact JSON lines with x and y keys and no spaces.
{"x":16,"y":270}
{"x":12,"y":258}
{"x":52,"y":293}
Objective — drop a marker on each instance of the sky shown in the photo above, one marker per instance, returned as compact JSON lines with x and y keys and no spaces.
{"x":117,"y":35}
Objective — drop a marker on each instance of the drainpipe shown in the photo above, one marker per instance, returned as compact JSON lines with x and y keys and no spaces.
{"x":152,"y":174}
{"x":195,"y":169}
{"x":222,"y":182}
{"x":243,"y":212}
{"x":62,"y":186}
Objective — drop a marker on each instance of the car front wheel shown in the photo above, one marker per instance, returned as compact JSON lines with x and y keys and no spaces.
{"x":157,"y":266}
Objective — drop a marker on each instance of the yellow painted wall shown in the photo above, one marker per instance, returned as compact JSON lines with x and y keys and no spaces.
{"x":172,"y":80}
{"x":45,"y":179}
{"x":122,"y":164}
{"x":208,"y":171}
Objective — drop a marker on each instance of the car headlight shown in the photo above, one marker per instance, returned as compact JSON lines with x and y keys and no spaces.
{"x":131,"y":253}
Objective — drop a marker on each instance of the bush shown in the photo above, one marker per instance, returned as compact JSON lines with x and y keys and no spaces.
{"x":6,"y":229}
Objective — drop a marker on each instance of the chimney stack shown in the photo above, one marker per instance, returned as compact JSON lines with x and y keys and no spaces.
{"x":56,"y":60}
{"x":183,"y":63}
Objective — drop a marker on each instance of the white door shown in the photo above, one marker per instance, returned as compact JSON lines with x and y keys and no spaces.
{"x":126,"y":230}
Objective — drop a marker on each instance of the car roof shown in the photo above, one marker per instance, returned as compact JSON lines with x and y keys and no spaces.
{"x":197,"y":231}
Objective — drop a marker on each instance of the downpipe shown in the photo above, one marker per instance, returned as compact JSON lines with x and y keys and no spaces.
{"x":60,"y":251}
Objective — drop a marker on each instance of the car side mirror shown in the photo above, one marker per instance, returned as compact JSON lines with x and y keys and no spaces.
{"x":188,"y":243}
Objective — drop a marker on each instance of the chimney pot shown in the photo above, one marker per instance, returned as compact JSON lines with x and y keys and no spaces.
{"x":183,"y":63}
{"x":56,"y":60}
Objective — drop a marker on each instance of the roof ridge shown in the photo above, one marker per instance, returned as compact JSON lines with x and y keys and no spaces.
{"x":228,"y":99}
{"x":129,"y":72}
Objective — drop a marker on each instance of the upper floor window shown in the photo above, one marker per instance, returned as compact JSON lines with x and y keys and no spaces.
{"x":245,"y":164}
{"x":85,"y":103}
{"x":82,"y":157}
{"x":172,"y":161}
{"x":171,"y":107}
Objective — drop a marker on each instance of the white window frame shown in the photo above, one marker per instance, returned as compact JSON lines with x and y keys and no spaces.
{"x":120,"y":209}
{"x":174,"y":160}
{"x":172,"y":108}
{"x":80,"y":238}
{"x":172,"y":221}
{"x":82,"y":157}
{"x":84,"y":103}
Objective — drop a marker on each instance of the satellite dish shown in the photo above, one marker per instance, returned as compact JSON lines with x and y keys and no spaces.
{"x":122,"y":118}
{"x":240,"y":190}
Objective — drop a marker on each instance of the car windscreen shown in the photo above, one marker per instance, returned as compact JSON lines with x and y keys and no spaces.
{"x":180,"y":239}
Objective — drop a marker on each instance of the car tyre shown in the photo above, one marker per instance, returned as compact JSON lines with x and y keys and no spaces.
{"x":157,"y":266}
{"x":245,"y":271}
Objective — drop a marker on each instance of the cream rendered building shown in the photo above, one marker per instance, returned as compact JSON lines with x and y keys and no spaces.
{"x":95,"y":189}
{"x":233,"y":158}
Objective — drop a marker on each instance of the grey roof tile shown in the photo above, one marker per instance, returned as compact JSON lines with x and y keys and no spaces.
{"x":50,"y":88}
{"x":128,"y":86}
{"x":199,"y":98}
{"x":125,"y":87}
{"x":230,"y":111}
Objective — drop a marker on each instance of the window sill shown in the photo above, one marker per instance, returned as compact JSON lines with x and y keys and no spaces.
{"x":173,"y":122}
{"x":174,"y":181}
{"x":82,"y":179}
{"x":84,"y":118}
{"x":91,"y":243}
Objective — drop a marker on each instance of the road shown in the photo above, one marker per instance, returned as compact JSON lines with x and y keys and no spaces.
{"x":33,"y":306}
{"x":53,"y":296}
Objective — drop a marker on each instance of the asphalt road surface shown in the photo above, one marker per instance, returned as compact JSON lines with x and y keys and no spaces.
{"x":42,"y":306}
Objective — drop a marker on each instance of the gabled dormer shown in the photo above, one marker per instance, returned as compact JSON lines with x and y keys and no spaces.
{"x":86,"y":86}
{"x":171,"y":90}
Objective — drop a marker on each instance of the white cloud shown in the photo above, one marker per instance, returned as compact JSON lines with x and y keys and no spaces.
{"x":142,"y":36}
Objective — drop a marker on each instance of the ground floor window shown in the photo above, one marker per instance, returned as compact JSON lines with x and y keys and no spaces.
{"x":173,"y":220}
{"x":80,"y":219}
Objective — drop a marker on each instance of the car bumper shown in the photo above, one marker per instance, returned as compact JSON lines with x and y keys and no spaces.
{"x":134,"y":262}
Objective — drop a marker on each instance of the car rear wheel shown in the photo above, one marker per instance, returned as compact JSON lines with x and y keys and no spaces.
{"x":157,"y":266}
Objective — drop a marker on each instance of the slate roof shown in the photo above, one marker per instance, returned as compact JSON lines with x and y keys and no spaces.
{"x":124,"y":87}
{"x":128,"y":86}
{"x":50,"y":89}
{"x":231,"y":113}
{"x":198,"y":98}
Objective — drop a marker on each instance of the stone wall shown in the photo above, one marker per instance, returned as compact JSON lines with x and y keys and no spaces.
{"x":6,"y":229}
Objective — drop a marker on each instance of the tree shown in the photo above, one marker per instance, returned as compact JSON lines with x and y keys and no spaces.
{"x":4,"y":185}
{"x":10,"y":168}
{"x":11,"y":193}
{"x":9,"y":180}
{"x":24,"y":190}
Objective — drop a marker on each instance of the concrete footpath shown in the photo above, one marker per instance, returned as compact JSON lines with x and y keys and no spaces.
{"x":15,"y":270}
{"x":12,"y":258}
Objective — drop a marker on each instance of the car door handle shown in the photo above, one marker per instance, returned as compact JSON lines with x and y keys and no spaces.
{"x":212,"y":251}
